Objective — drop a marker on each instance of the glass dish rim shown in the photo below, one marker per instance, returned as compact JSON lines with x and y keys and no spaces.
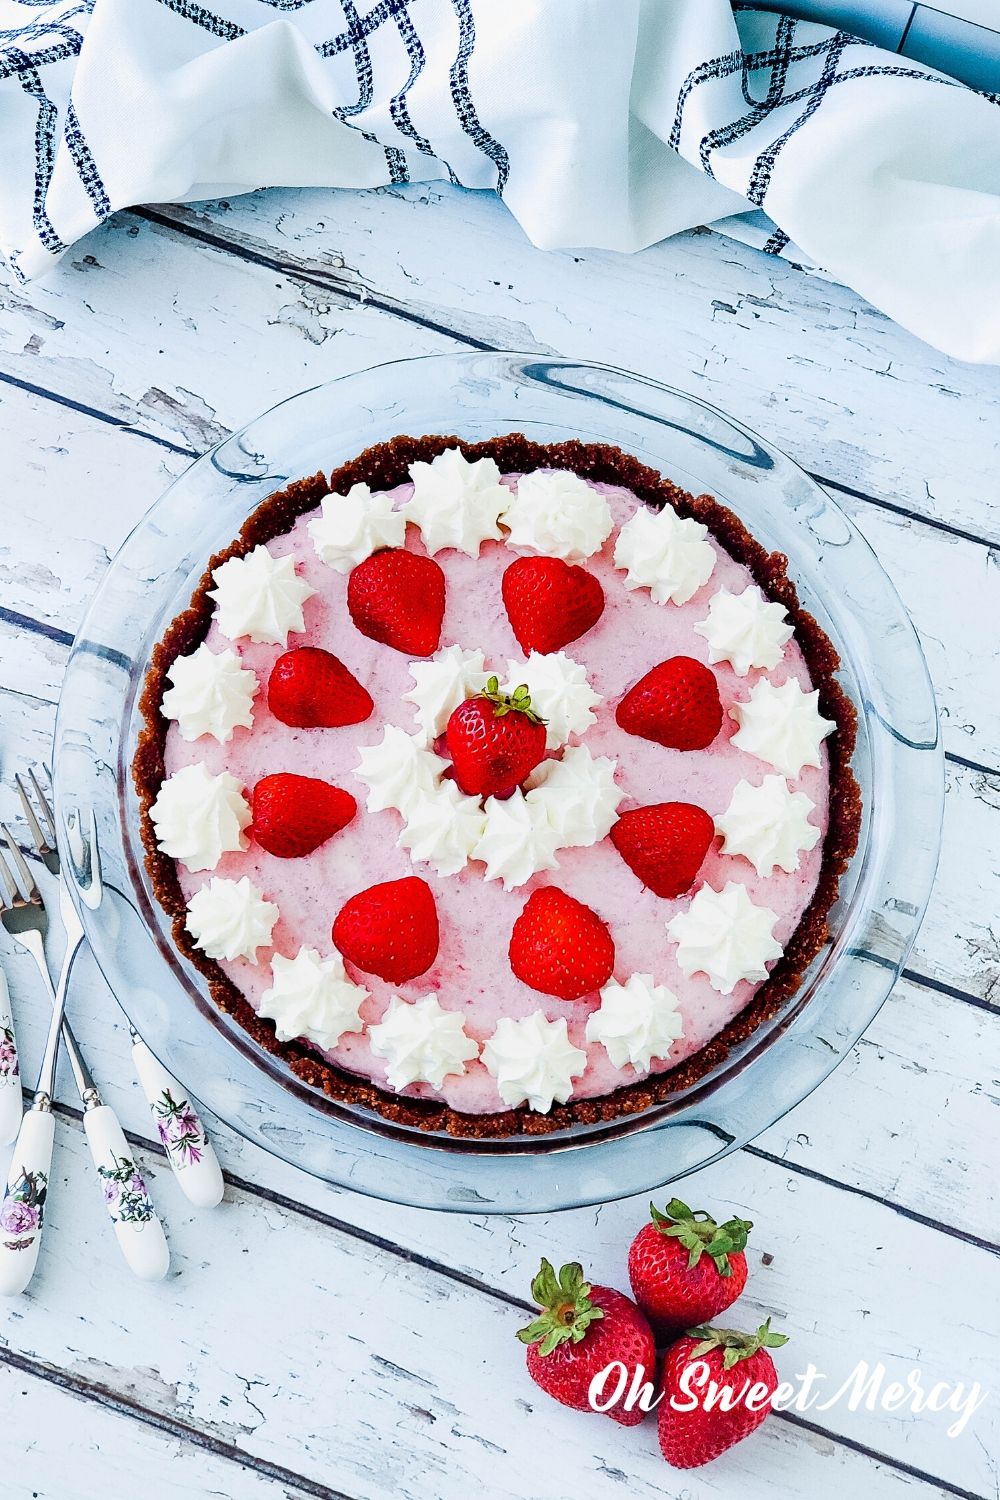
{"x":625,"y":1126}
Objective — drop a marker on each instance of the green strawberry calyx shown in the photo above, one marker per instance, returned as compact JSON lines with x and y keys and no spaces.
{"x":735,"y":1345}
{"x":566,"y":1309}
{"x":518,"y":701}
{"x":700,"y":1235}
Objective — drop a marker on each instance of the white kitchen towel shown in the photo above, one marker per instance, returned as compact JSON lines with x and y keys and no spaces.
{"x":609,"y":123}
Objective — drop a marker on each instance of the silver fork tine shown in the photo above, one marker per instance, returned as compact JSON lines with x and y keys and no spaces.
{"x":34,"y":895}
{"x":43,"y":802}
{"x":10,"y":885}
{"x":41,"y":844}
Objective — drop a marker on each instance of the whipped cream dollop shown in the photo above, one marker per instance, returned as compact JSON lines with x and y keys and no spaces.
{"x":456,"y":503}
{"x":517,"y":841}
{"x":397,"y":770}
{"x":660,"y":551}
{"x":231,"y":919}
{"x":557,"y":513}
{"x":210,"y":693}
{"x":259,"y":596}
{"x":745,"y":629}
{"x":443,"y":827}
{"x":768,"y":824}
{"x":636,"y":1021}
{"x":351,"y":527}
{"x":725,"y":936}
{"x":533,"y":1061}
{"x":782,"y":725}
{"x":199,"y":817}
{"x":312,"y":997}
{"x":560,"y":693}
{"x":578,"y":795}
{"x":441,"y":683}
{"x":420,"y":1042}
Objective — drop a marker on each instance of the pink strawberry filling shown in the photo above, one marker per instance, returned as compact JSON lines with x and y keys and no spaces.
{"x":471,"y":973}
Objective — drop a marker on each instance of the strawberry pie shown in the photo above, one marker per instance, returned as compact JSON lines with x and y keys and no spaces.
{"x":497,"y":787}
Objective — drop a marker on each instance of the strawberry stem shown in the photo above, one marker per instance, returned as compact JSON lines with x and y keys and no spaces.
{"x":566,"y":1311}
{"x":518,"y":701}
{"x":736,"y":1345}
{"x":698,"y":1232}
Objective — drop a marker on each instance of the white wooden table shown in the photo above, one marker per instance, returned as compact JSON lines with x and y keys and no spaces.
{"x":312,"y":1342}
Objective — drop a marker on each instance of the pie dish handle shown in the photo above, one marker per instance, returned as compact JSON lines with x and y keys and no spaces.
{"x":189,"y":1151}
{"x":11,"y":1104}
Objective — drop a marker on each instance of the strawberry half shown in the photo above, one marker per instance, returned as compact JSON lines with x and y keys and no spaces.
{"x":549,"y":603}
{"x":737,"y":1363}
{"x":397,"y":597}
{"x":495,"y":740}
{"x":664,"y":844}
{"x":311,"y":689}
{"x":677,"y":704}
{"x":685,"y":1268}
{"x":293,"y":815}
{"x":390,"y":930}
{"x":561,"y":947}
{"x":579,"y":1331}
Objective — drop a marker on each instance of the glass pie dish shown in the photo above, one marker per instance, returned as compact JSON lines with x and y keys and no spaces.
{"x":897,"y":762}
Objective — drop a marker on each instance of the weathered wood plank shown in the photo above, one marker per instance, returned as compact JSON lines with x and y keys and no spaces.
{"x":430,"y":1365}
{"x":958,"y":944}
{"x":906,"y":409}
{"x":425,"y":1398}
{"x":112,"y":1453}
{"x":864,"y":1128}
{"x":841,"y":388}
{"x":949,"y":584}
{"x":844,"y":390}
{"x":926,"y":1055}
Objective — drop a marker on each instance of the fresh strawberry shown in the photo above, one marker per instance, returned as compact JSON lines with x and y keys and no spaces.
{"x":685,"y":1268}
{"x":397,"y":597}
{"x":560,"y":946}
{"x":737,"y":1363}
{"x":677,"y":704}
{"x":293,"y":815}
{"x":549,"y":603}
{"x":579,"y":1331}
{"x":495,"y":740}
{"x":664,"y":844}
{"x":390,"y":930}
{"x":311,"y":689}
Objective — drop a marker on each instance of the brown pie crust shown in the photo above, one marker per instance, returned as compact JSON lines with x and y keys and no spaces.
{"x":383,"y":467}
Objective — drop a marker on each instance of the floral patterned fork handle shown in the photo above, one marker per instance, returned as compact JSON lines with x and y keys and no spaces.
{"x":11,"y":1105}
{"x":23,"y":1206}
{"x":137,"y":1229}
{"x":189,"y":1151}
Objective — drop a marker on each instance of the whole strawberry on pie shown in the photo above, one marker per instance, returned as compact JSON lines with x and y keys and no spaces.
{"x":677,"y":704}
{"x":293,"y":815}
{"x":390,"y":929}
{"x":685,"y":1268}
{"x":549,"y":603}
{"x":560,"y":946}
{"x":310,"y":688}
{"x":665,"y":844}
{"x":693,"y":1430}
{"x":499,"y":788}
{"x":580,"y":1330}
{"x":495,"y":740}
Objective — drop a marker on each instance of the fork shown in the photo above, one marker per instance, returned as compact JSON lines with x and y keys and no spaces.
{"x":137,"y":1228}
{"x":10,"y":1070}
{"x":189,"y":1152}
